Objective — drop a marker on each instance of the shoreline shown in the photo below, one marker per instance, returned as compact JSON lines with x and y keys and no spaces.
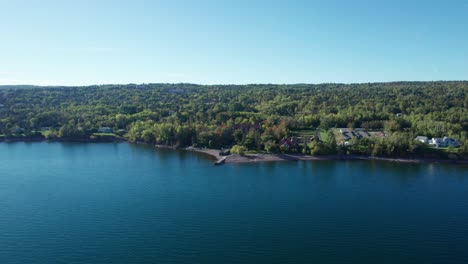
{"x":249,"y":158}
{"x":260,"y":157}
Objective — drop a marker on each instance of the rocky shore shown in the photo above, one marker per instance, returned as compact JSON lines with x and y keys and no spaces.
{"x":260,"y":157}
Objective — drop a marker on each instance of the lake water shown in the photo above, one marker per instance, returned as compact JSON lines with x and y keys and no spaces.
{"x":123,"y":203}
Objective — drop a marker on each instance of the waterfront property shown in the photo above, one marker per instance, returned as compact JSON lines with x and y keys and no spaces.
{"x":444,"y":142}
{"x":422,"y":139}
{"x":348,"y":133}
{"x":289,"y":143}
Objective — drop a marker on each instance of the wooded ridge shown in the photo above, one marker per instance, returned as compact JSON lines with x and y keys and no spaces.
{"x":258,"y":117}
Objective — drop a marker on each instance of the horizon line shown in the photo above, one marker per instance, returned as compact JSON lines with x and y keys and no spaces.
{"x":228,"y":84}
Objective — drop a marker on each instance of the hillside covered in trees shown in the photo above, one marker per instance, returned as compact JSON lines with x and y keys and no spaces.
{"x":256,"y":117}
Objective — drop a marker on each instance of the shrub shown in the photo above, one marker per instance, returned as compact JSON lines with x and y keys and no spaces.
{"x":236,"y":149}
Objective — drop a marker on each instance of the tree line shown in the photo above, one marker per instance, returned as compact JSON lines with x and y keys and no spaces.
{"x":256,"y":116}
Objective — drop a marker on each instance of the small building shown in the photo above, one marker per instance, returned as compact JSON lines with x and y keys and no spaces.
{"x":437,"y":142}
{"x":346,"y":135}
{"x":398,"y":115}
{"x":422,"y":139}
{"x":444,"y":142}
{"x":105,"y":130}
{"x":344,"y":132}
{"x":451,"y":142}
{"x":289,"y":143}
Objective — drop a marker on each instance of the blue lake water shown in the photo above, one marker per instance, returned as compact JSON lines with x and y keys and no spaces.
{"x":123,"y":203}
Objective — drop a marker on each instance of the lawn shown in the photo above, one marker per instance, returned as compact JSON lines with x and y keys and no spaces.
{"x":323,"y":134}
{"x":104,"y":134}
{"x":304,"y":132}
{"x":430,"y":148}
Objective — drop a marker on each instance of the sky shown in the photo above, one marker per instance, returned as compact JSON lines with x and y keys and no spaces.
{"x":68,"y":42}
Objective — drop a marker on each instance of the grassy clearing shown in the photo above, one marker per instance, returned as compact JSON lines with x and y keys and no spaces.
{"x":45,"y":133}
{"x":323,"y":134}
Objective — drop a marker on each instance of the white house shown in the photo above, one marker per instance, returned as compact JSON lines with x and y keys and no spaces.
{"x":422,"y":139}
{"x":437,"y":142}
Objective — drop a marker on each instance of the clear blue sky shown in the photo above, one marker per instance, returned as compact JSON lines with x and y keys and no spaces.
{"x":67,"y":42}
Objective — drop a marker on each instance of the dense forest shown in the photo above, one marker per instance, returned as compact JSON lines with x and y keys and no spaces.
{"x":254,"y":117}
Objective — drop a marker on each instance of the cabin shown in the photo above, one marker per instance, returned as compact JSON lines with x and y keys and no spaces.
{"x":105,"y":130}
